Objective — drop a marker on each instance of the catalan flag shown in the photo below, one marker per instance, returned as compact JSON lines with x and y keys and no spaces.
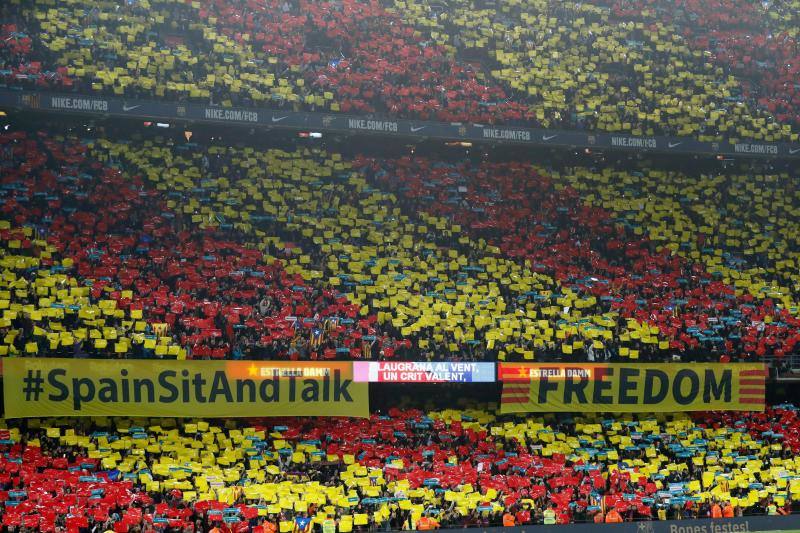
{"x":516,"y":393}
{"x":751,"y":386}
{"x":317,"y":336}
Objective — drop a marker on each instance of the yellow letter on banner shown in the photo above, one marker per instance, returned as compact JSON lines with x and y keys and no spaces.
{"x":631,"y":388}
{"x":95,"y":387}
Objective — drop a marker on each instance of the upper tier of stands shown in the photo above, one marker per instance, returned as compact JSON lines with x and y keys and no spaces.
{"x":605,"y":65}
{"x":165,"y":249}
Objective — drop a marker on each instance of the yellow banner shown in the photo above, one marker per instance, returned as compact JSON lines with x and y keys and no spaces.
{"x":92,"y":387}
{"x":631,"y":388}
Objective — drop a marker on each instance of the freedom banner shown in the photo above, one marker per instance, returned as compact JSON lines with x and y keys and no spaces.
{"x":422,"y":372}
{"x":99,"y":387}
{"x":631,"y":388}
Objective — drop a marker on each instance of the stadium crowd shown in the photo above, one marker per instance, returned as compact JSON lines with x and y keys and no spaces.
{"x":167,"y":249}
{"x":611,"y":66}
{"x":630,"y":66}
{"x":405,"y":469}
{"x":660,"y":248}
{"x":150,"y":247}
{"x":756,"y":42}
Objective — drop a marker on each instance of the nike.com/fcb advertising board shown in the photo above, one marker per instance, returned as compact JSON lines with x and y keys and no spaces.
{"x":334,"y":122}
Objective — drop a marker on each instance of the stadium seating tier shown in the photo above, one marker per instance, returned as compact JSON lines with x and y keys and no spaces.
{"x":455,"y":467}
{"x":164,"y":249}
{"x":607,"y":66}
